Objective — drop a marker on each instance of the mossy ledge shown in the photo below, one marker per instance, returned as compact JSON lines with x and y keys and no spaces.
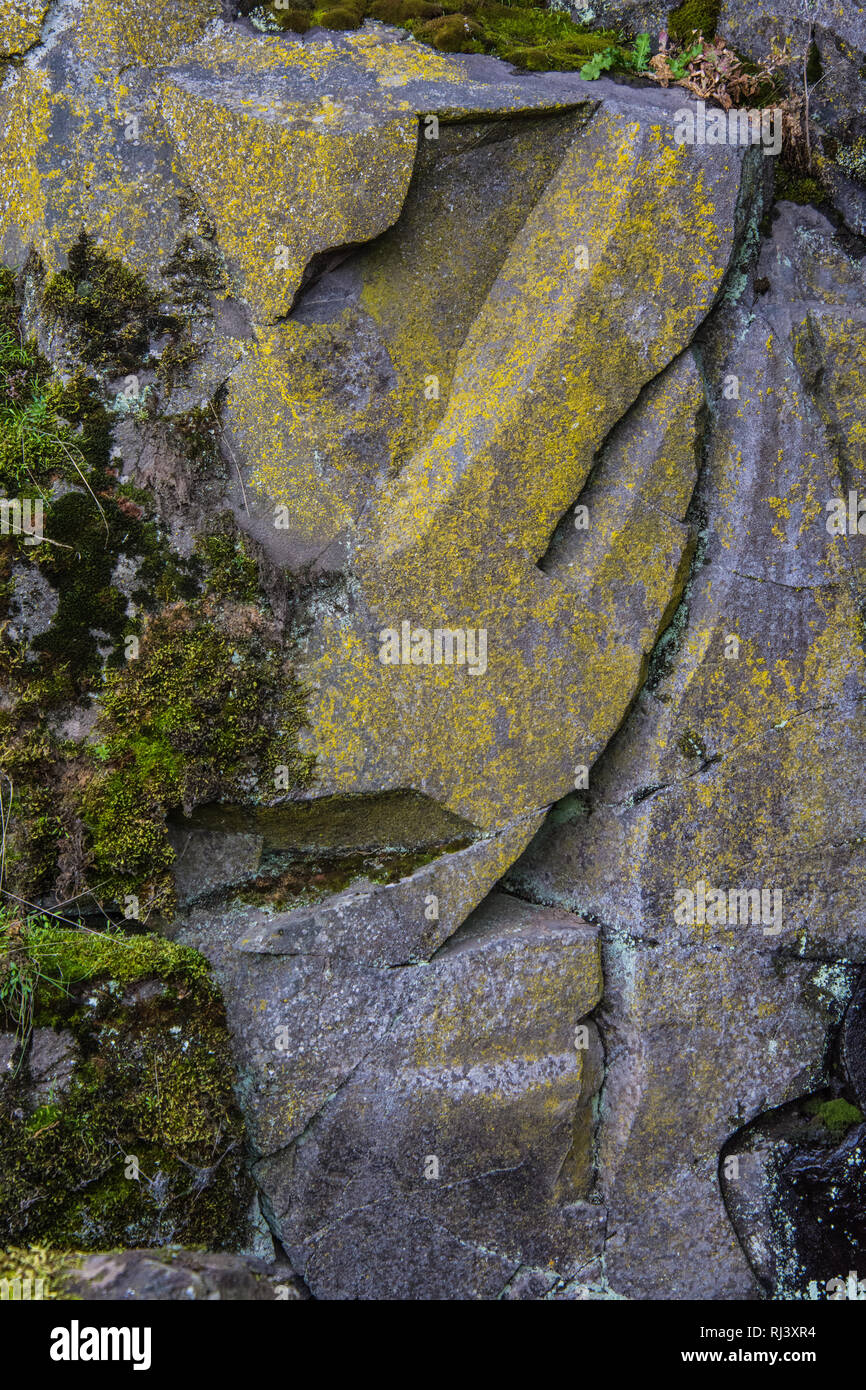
{"x":197,"y":716}
{"x":527,"y":35}
{"x":196,"y":698}
{"x":142,"y":1143}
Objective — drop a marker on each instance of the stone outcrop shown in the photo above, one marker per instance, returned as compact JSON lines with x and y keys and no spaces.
{"x":440,"y":657}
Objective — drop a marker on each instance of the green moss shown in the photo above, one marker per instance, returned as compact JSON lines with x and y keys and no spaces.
{"x":192,"y":270}
{"x":41,"y":1271}
{"x":112,"y":312}
{"x":195,"y":717}
{"x":38,"y":420}
{"x":396,"y":11}
{"x":341,"y":18}
{"x":231,"y":571}
{"x":526,"y":35}
{"x":176,"y":360}
{"x":295,"y":20}
{"x":152,"y":1082}
{"x":794,"y":186}
{"x":836,"y":1115}
{"x":814,"y":66}
{"x":453,"y":33}
{"x":64,"y":956}
{"x":692,"y":16}
{"x":42,"y":1117}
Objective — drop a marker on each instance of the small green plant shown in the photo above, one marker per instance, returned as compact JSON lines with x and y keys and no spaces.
{"x":599,"y":63}
{"x":640,"y":54}
{"x":20,"y":972}
{"x":680,"y":62}
{"x":36,"y":441}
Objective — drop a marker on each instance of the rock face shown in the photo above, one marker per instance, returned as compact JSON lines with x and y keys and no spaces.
{"x":725,"y":775}
{"x":442,"y":649}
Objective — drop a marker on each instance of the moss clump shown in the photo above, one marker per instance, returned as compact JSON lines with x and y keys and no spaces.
{"x":176,"y":361}
{"x":195,"y":717}
{"x":38,"y":435}
{"x":453,"y":33}
{"x":193,"y":269}
{"x":397,"y":11}
{"x":41,"y":1272}
{"x":231,"y":571}
{"x":836,"y":1115}
{"x":522,"y":33}
{"x":694,"y":16}
{"x":794,"y":186}
{"x":64,"y":956}
{"x":110,"y":309}
{"x":146,"y":1144}
{"x":342,"y":17}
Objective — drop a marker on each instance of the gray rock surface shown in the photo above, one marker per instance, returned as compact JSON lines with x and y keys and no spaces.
{"x":533,"y":370}
{"x":182,"y":1275}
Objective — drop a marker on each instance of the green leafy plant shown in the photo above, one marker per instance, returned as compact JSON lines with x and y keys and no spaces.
{"x":21,"y":971}
{"x":640,"y":55}
{"x":680,"y":62}
{"x":599,"y":63}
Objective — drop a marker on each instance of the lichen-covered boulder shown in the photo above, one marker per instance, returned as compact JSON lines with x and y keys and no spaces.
{"x":730,"y":777}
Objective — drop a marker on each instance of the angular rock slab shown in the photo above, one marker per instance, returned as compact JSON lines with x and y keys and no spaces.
{"x":309,"y":991}
{"x":460,"y":1149}
{"x":454,"y":540}
{"x":737,"y":770}
{"x":733,"y":770}
{"x":699,"y":1036}
{"x":396,"y":923}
